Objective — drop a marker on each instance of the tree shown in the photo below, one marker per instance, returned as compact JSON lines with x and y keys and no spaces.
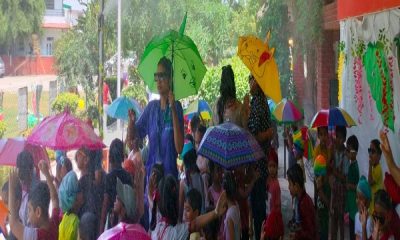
{"x":19,"y":20}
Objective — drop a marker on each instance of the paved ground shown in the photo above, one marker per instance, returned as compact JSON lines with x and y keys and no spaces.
{"x":12,"y":83}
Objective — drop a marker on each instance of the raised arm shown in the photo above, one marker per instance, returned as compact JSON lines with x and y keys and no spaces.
{"x":16,"y":226}
{"x":387,"y":152}
{"x":178,"y":134}
{"x":44,"y":168}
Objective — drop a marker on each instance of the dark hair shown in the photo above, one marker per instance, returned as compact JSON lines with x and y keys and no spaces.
{"x":158,"y":169}
{"x":67,"y":163}
{"x":168,"y":205}
{"x":167,"y":64}
{"x":227,"y":90}
{"x":116,"y":155}
{"x":352,"y":142}
{"x":321,"y":128}
{"x":212,"y":228}
{"x":17,"y":190}
{"x":377,"y":145}
{"x":25,"y":160}
{"x":88,"y":226}
{"x":229,"y":185}
{"x":189,"y":137}
{"x":295,"y":175}
{"x":193,"y":197}
{"x":189,"y":160}
{"x":202,"y":129}
{"x":341,"y":131}
{"x":40,"y":197}
{"x":195,"y":122}
{"x":382,"y":198}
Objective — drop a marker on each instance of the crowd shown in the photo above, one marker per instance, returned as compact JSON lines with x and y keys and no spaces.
{"x":145,"y":192}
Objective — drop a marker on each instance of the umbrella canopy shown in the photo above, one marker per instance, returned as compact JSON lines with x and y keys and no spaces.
{"x":125,"y":231}
{"x":287,"y":112}
{"x":332,"y":117}
{"x":120,"y":106}
{"x":64,"y":132}
{"x":11,"y":147}
{"x":3,"y":215}
{"x":258,"y":57}
{"x":229,"y":146}
{"x":188,"y":67}
{"x":199,"y":107}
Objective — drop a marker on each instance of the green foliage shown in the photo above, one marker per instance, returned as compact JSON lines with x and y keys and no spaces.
{"x":19,"y":19}
{"x":66,"y":100}
{"x":209,"y":89}
{"x":276,"y":20}
{"x":137,"y":92}
{"x":112,"y":86}
{"x":3,"y":128}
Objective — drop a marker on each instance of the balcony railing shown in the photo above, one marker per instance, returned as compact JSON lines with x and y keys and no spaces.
{"x":54,"y":12}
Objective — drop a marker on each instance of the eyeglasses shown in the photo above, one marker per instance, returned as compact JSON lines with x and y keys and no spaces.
{"x":371,"y":151}
{"x":160,"y":76}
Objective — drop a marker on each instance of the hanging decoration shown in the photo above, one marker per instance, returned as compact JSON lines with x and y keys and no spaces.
{"x":341,"y":62}
{"x":379,"y":79}
{"x":357,"y":53}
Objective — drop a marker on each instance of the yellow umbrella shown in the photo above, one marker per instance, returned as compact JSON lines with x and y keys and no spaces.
{"x":259,"y":58}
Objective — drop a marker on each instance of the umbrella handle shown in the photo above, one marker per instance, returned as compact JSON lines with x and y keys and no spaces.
{"x":172,"y":62}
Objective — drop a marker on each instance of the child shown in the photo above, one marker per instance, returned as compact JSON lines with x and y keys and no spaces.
{"x":4,"y":198}
{"x":353,"y":177}
{"x":43,"y":227}
{"x":70,"y":203}
{"x":363,"y":222}
{"x":274,"y":224}
{"x":323,"y":196}
{"x":375,"y":174}
{"x":192,"y":209}
{"x":88,"y":227}
{"x":338,"y":168}
{"x":157,"y":173}
{"x":305,"y":207}
{"x":215,"y":190}
{"x":386,"y":221}
{"x":232,"y":225}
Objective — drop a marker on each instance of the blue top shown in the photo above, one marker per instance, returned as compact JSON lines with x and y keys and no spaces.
{"x":157,"y":125}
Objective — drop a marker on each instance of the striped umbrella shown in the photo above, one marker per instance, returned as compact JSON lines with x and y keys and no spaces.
{"x":287,"y":112}
{"x":332,"y":117}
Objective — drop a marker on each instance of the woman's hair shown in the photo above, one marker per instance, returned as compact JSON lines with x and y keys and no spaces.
{"x":229,"y":185}
{"x":116,"y":155}
{"x":189,"y":160}
{"x":195,"y":122}
{"x":167,"y":64}
{"x":295,"y":175}
{"x":25,"y":160}
{"x":67,"y":163}
{"x":168,"y":205}
{"x":377,"y":145}
{"x":158,"y":169}
{"x":227,"y":90}
{"x":382,"y":198}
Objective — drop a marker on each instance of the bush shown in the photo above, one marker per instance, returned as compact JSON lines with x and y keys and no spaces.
{"x":65,"y":100}
{"x":3,"y":128}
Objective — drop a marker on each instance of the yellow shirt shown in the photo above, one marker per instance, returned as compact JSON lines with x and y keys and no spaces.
{"x":377,"y":177}
{"x":68,"y":228}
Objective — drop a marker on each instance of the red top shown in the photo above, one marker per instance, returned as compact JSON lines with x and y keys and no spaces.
{"x":307,"y":215}
{"x":106,"y":91}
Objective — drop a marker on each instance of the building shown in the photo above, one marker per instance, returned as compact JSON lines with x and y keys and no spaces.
{"x":34,"y":56}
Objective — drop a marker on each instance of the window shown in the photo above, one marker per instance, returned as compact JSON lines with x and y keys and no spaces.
{"x":49,"y":4}
{"x":49,"y":46}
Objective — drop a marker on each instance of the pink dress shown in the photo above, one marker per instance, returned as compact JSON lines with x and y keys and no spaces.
{"x":214,"y":195}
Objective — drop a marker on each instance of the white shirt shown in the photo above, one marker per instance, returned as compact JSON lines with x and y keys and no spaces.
{"x":358,"y":226}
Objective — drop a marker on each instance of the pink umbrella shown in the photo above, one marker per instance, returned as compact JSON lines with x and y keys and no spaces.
{"x":65,"y":132}
{"x":10,"y":148}
{"x":125,"y":231}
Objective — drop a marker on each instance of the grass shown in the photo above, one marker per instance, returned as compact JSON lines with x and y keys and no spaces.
{"x":10,"y":111}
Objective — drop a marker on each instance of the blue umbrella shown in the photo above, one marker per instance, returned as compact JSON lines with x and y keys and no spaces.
{"x":119,"y":108}
{"x":199,"y":107}
{"x":271,"y":105}
{"x":229,"y":146}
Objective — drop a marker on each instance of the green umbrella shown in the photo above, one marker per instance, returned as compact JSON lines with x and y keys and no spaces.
{"x":188,"y":67}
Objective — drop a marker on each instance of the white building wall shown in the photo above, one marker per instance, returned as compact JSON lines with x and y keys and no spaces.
{"x":47,"y":41}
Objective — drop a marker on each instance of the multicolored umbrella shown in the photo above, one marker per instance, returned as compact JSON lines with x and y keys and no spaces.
{"x":11,"y":147}
{"x":125,"y":231}
{"x":271,"y":105}
{"x":199,"y":107}
{"x":259,"y":58}
{"x":287,"y":112}
{"x":188,"y":67}
{"x":332,"y":117}
{"x":229,"y":146}
{"x":303,"y":142}
{"x":64,"y":132}
{"x":120,"y":106}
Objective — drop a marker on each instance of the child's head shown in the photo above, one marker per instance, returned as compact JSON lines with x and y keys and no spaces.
{"x":82,"y":158}
{"x":352,"y":147}
{"x":66,"y":166}
{"x":17,"y":191}
{"x":201,"y":130}
{"x":88,"y":226}
{"x":116,"y":156}
{"x":272,"y":163}
{"x":323,"y":135}
{"x":363,"y":193}
{"x":194,"y":124}
{"x":341,"y":135}
{"x":192,"y":205}
{"x":168,"y":205}
{"x":68,"y":193}
{"x":158,"y":171}
{"x":229,"y":185}
{"x":189,"y":160}
{"x":38,"y":204}
{"x":216,"y":172}
{"x":125,"y":204}
{"x":296,"y":180}
{"x":375,"y":152}
{"x":25,"y":166}
{"x":382,"y":209}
